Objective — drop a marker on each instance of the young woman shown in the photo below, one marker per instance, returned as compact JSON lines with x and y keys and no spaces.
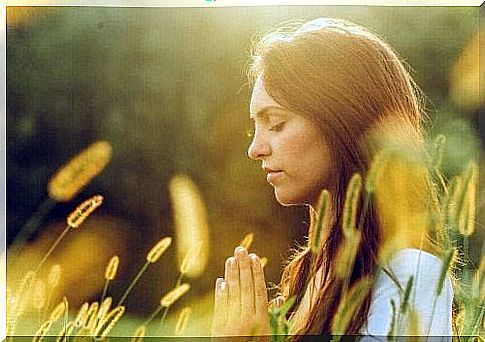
{"x":327,"y":97}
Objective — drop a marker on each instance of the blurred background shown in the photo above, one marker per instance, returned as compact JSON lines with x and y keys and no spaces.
{"x":166,"y":87}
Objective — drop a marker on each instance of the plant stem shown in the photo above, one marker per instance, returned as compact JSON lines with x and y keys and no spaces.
{"x":153,"y":315}
{"x":105,"y":290}
{"x":54,"y":245}
{"x":31,"y":225}
{"x":133,"y":282}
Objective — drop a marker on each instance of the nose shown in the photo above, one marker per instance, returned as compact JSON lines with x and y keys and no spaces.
{"x":259,"y":148}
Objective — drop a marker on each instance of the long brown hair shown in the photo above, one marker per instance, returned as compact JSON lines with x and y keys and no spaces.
{"x":351,"y":84}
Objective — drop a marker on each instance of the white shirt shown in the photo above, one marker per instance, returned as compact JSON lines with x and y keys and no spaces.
{"x":426,"y":269}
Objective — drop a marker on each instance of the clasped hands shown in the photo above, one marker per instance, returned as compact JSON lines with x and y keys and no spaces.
{"x":241,"y":299}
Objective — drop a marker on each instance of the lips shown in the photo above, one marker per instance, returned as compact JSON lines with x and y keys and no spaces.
{"x":272,"y":174}
{"x":271,"y":177}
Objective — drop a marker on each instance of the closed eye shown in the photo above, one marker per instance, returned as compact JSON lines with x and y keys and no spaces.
{"x":278,"y":127}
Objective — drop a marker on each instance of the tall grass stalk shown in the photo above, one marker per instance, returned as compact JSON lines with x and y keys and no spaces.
{"x":74,"y":220}
{"x":108,"y":322}
{"x":153,"y":255}
{"x":323,"y":213}
{"x":109,"y":274}
{"x":182,"y":321}
{"x":349,"y":302}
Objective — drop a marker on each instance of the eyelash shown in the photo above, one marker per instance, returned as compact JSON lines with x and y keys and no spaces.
{"x":277,"y":127}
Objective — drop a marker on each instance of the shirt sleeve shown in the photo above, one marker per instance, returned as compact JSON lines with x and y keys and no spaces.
{"x":433,"y":311}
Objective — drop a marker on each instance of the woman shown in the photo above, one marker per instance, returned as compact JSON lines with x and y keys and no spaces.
{"x":327,"y":97}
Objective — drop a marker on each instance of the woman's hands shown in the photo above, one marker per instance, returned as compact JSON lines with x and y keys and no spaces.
{"x":241,"y":299}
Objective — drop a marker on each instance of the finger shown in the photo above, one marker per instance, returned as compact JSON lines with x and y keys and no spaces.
{"x":247,"y":286}
{"x":220,"y":308}
{"x":260,"y":291}
{"x":234,"y":292}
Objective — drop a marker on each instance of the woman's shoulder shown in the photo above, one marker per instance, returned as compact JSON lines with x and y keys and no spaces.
{"x":412,"y":261}
{"x":431,"y":304}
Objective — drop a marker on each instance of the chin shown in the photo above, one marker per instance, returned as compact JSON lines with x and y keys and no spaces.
{"x":288,"y":199}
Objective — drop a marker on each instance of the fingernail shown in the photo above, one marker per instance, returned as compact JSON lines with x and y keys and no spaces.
{"x":231,"y":261}
{"x":222,"y":285}
{"x":240,"y":249}
{"x":254,"y":257}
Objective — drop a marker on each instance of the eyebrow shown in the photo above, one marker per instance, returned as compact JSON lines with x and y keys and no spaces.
{"x":264,"y":112}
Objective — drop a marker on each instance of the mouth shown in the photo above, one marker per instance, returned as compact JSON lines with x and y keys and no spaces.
{"x":273,"y":175}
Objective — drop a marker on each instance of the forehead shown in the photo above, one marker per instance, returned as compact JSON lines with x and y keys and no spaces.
{"x":260,"y":99}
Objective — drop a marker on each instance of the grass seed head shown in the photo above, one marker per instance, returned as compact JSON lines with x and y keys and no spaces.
{"x":350,"y":207}
{"x":104,"y":308}
{"x":375,"y":171}
{"x":439,"y":145}
{"x":90,"y":316}
{"x":77,"y":217}
{"x":182,"y":320}
{"x":65,"y":332}
{"x":323,"y":215}
{"x":467,"y":203}
{"x":108,"y":322}
{"x":79,"y":171}
{"x":174,"y":295}
{"x":54,"y":276}
{"x":112,"y":268}
{"x":156,"y":252}
{"x":58,"y":310}
{"x":43,"y":330}
{"x":349,"y":302}
{"x":346,"y":255}
{"x":447,"y":260}
{"x":139,"y":333}
{"x":247,"y":241}
{"x":81,"y":315}
{"x":39,"y":295}
{"x":190,"y":258}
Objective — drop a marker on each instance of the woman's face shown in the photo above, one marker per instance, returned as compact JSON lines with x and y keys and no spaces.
{"x":293,"y":151}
